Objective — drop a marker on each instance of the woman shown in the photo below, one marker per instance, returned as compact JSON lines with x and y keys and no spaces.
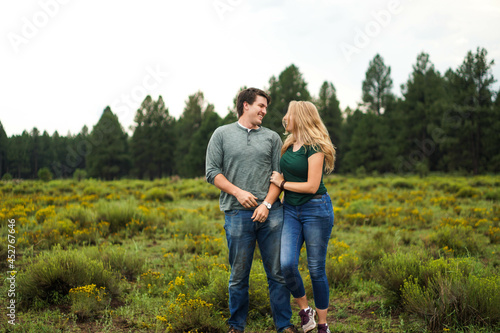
{"x":308,"y":211}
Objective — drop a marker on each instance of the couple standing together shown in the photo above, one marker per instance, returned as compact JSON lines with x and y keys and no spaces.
{"x":251,"y":166}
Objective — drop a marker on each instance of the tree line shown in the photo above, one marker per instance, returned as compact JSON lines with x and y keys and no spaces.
{"x":442,"y":122}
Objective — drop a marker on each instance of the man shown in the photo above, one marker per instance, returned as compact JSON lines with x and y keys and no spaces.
{"x":240,"y":160}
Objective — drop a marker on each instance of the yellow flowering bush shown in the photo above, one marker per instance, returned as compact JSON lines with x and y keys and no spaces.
{"x":44,"y":213}
{"x":152,"y":281}
{"x":461,"y":239}
{"x":87,"y":301}
{"x":185,"y":314}
{"x":16,"y":212}
{"x":494,"y":234}
{"x":443,"y":202}
{"x":212,"y":245}
{"x":340,"y":269}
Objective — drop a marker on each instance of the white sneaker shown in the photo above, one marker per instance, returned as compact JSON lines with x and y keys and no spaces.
{"x":307,"y":319}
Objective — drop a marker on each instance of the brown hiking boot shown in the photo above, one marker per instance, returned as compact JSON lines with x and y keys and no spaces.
{"x":290,"y":329}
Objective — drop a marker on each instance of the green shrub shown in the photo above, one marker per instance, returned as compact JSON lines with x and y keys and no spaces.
{"x":159,"y":194}
{"x":468,"y":192}
{"x":481,"y":181}
{"x":204,"y":244}
{"x":371,"y":252}
{"x":361,"y":172}
{"x":422,"y":169}
{"x":152,"y":281}
{"x":450,"y":187}
{"x":371,"y":183}
{"x":457,"y":292}
{"x":49,"y":277}
{"x":117,"y":213}
{"x":189,"y":222}
{"x":129,"y":264}
{"x":258,"y":292}
{"x":81,"y":215}
{"x":79,"y":174}
{"x":88,"y":301}
{"x":92,"y":190}
{"x":190,"y":314}
{"x":340,"y":269}
{"x":364,"y":206}
{"x":7,"y":176}
{"x":492,"y":194}
{"x":59,"y":186}
{"x":201,"y":192}
{"x":216,"y":292}
{"x":65,"y":227}
{"x":462,"y":240}
{"x":44,"y":174}
{"x":394,"y":269}
{"x":402,"y":183}
{"x":23,"y":188}
{"x":44,"y":213}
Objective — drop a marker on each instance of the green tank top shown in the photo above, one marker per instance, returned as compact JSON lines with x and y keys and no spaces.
{"x":295,"y":167}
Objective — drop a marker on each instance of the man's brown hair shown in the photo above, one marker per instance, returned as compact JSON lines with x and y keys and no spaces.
{"x":249,"y":95}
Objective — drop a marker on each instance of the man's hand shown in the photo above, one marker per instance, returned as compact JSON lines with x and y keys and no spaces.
{"x":246,"y":199}
{"x":260,"y":214}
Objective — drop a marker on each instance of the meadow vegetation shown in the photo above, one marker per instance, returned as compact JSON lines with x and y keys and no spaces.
{"x":407,"y":254}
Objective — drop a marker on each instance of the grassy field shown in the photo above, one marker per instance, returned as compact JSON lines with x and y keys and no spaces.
{"x":406,"y":255}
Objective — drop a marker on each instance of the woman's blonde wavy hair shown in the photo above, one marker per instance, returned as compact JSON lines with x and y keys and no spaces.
{"x":311,"y":131}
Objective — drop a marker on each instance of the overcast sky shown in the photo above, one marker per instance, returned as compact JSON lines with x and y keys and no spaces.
{"x":63,"y":62}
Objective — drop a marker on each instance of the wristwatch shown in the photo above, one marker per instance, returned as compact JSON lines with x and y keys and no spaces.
{"x":267,"y":204}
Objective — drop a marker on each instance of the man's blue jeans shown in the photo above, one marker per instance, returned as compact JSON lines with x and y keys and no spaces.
{"x":241,"y":234}
{"x":311,"y":223}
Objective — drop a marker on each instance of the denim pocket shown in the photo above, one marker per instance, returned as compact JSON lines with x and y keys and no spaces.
{"x":316,"y":201}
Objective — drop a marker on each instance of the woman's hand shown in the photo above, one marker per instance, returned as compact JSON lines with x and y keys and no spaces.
{"x":277,"y":178}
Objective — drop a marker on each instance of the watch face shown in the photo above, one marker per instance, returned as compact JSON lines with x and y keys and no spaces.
{"x":268,"y":205}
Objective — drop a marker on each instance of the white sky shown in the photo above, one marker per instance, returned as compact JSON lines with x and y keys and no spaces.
{"x":64,"y":61}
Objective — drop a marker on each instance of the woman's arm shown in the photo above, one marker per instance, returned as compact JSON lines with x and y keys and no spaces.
{"x":314,"y":174}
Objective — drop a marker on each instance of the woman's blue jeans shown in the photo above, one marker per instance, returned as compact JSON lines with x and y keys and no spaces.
{"x":311,"y":223}
{"x":242,"y":234}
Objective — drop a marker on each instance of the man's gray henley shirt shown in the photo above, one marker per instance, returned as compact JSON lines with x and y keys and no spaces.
{"x":246,"y":158}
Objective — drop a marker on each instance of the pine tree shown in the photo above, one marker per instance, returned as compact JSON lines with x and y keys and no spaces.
{"x":18,"y":155}
{"x":289,"y":86}
{"x":187,"y":125}
{"x":34,"y":152}
{"x":196,"y":156}
{"x":109,"y":158}
{"x":329,"y":110}
{"x":377,"y":85}
{"x":370,"y":146}
{"x":470,"y":114}
{"x":153,"y":141}
{"x":60,"y":165}
{"x":418,"y":116}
